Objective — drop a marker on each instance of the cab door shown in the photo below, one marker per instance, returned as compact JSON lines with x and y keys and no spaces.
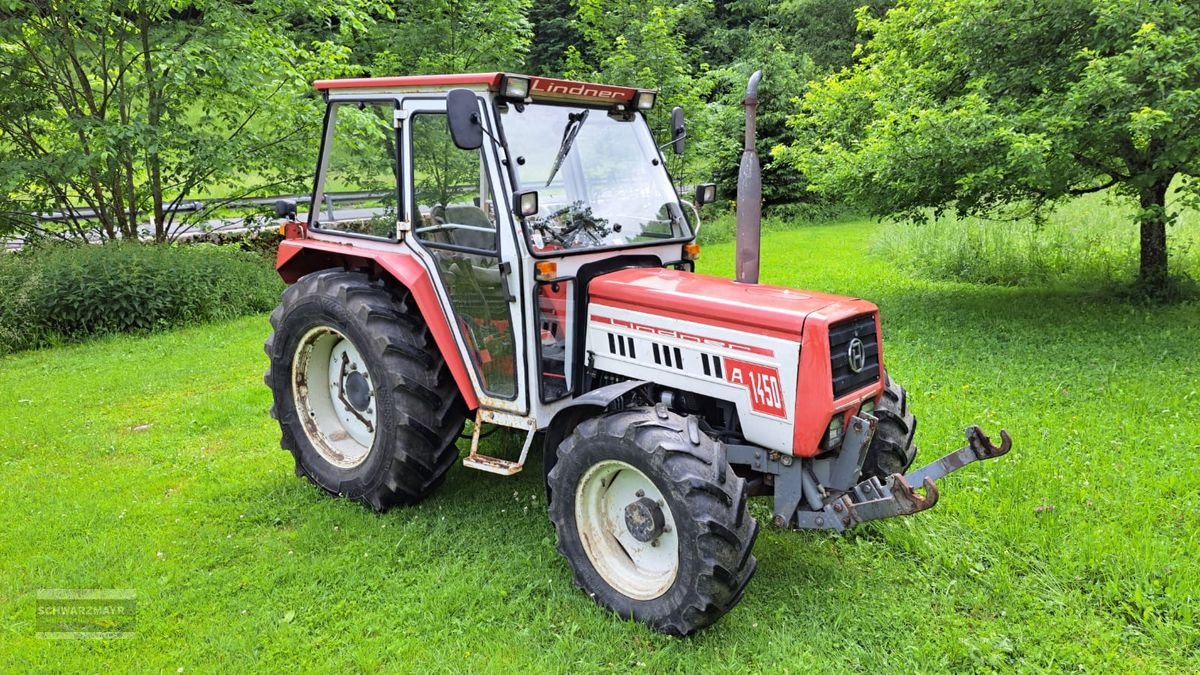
{"x":459,"y":223}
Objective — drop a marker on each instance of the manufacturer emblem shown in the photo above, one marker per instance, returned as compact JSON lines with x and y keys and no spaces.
{"x":856,"y":355}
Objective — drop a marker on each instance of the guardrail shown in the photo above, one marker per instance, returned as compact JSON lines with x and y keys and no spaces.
{"x":186,"y":230}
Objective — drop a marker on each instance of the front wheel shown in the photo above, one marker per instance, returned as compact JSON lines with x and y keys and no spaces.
{"x":892,"y":449}
{"x":652,"y":519}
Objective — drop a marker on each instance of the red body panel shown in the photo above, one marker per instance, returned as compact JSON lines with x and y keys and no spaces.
{"x":757,"y":308}
{"x":800,"y":316}
{"x":546,"y":88}
{"x":492,"y":80}
{"x":814,"y":381}
{"x":297,"y":257}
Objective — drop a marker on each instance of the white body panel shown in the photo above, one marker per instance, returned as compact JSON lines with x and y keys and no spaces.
{"x":712,"y":364}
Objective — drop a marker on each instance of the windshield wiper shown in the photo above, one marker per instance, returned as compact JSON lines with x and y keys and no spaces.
{"x":574,"y":123}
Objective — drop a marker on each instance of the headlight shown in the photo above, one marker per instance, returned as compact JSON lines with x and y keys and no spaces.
{"x":833,"y":435}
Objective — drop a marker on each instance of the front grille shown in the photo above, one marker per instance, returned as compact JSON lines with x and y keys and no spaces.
{"x":841,"y":335}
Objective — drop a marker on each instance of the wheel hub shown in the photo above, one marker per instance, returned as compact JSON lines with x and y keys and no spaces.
{"x":644,"y":519}
{"x":335,"y":397}
{"x":358,"y":392}
{"x":627,"y":529}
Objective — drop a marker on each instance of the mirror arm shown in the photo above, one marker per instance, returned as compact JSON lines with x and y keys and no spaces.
{"x":476,"y":119}
{"x":672,"y":141}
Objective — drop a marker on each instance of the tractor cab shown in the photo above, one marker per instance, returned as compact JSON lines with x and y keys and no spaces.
{"x":502,"y":189}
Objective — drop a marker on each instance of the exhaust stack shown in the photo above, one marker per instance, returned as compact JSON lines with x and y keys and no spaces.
{"x":749,"y":193}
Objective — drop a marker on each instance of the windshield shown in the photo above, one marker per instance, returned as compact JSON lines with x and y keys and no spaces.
{"x":598,"y":176}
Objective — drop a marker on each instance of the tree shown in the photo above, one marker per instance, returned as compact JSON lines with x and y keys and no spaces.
{"x":792,"y":42}
{"x":446,"y":36}
{"x":979,"y":105}
{"x":130,"y":107}
{"x":554,"y":30}
{"x":640,"y":45}
{"x":785,"y":78}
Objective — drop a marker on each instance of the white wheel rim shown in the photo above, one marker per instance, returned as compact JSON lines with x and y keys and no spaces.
{"x":335,"y":397}
{"x":637,"y":569}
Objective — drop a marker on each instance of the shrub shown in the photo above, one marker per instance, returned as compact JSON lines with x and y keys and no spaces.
{"x":68,"y":292}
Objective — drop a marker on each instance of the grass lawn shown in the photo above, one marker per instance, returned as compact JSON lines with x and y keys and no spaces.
{"x":151,"y":464}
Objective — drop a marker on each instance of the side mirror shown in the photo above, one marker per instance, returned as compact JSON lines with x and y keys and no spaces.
{"x":462,"y":113}
{"x":285,"y":208}
{"x":706,"y":193}
{"x":678,"y":131}
{"x":525,"y":204}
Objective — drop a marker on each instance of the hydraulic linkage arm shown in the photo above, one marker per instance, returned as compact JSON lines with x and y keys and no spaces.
{"x":826,"y":494}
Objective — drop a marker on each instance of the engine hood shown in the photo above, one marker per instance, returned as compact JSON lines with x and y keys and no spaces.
{"x":767,"y":310}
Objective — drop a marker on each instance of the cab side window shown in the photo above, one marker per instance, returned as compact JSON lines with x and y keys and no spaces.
{"x":359,"y":192}
{"x":451,"y":193}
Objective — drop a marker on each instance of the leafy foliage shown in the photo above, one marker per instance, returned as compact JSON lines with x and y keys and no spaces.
{"x":639,"y":44}
{"x":785,"y":79}
{"x":982,"y":105}
{"x":128,"y":107}
{"x":445,"y":36}
{"x":71,"y":291}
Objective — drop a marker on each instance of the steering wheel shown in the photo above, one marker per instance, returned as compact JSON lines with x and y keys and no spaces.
{"x":578,"y":224}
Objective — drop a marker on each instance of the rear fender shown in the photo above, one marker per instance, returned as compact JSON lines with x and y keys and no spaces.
{"x":297,"y":257}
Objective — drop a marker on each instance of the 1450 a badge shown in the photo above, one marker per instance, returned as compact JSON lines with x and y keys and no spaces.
{"x":766,"y":393}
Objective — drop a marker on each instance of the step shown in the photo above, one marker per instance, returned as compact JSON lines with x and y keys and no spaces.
{"x":501,"y":467}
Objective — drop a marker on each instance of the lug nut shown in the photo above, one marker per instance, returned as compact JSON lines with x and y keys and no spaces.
{"x":640,"y":493}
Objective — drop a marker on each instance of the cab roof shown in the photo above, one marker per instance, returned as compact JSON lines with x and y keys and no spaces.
{"x":546,"y":88}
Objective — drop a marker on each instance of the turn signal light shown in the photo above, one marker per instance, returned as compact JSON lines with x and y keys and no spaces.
{"x":546,"y":270}
{"x":691,"y":251}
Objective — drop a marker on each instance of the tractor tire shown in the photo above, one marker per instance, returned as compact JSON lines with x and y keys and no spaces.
{"x":364,"y":399}
{"x":892,"y":449}
{"x":652,"y":519}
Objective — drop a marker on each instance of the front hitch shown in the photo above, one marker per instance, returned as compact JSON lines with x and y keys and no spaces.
{"x":826,"y":494}
{"x":874,"y":499}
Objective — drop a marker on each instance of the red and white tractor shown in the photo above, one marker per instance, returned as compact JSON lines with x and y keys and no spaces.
{"x":510,"y":250}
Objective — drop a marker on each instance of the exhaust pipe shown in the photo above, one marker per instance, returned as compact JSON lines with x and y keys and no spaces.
{"x":749,"y":193}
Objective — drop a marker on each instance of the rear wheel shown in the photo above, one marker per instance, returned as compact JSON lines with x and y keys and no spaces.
{"x":892,"y":449}
{"x":652,"y":519}
{"x":365,"y":402}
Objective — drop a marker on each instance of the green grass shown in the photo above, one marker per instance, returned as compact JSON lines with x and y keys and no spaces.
{"x":1078,"y":551}
{"x":1088,"y":242}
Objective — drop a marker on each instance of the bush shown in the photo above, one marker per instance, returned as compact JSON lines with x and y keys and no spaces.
{"x":49,"y":294}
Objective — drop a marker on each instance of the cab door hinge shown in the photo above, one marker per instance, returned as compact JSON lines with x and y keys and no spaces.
{"x":400,"y":117}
